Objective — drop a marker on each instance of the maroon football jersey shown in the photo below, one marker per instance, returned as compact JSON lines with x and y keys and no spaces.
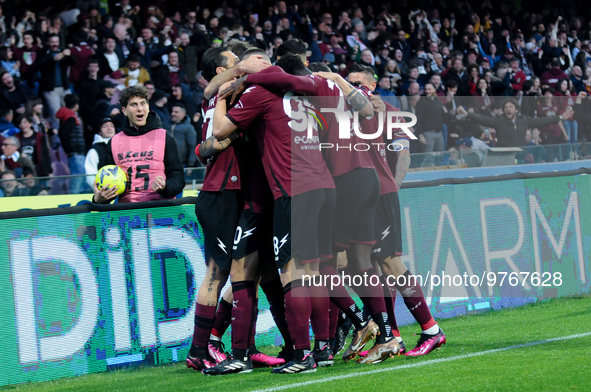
{"x":293,"y":163}
{"x":223,"y":172}
{"x":321,"y":94}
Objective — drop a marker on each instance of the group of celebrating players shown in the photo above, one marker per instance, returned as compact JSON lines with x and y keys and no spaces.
{"x":275,"y":207}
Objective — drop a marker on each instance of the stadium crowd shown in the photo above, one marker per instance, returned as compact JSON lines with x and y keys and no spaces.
{"x":81,"y":85}
{"x":63,"y":68}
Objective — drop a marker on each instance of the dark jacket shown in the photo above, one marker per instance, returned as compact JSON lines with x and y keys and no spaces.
{"x":511,"y":134}
{"x":173,"y":167}
{"x":42,"y":156}
{"x":71,"y":133}
{"x":186,"y":138}
{"x":47,"y":67}
{"x":15,"y":99}
{"x":430,"y":114}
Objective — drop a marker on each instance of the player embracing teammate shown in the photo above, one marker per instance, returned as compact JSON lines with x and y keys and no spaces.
{"x":306,"y":232}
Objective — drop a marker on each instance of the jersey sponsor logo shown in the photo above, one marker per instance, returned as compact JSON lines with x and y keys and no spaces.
{"x":306,"y":140}
{"x":135,"y":154}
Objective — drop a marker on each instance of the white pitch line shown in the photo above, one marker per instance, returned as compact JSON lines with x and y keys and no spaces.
{"x":419,"y":364}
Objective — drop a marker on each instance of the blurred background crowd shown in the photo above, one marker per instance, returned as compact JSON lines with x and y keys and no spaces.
{"x":63,"y":66}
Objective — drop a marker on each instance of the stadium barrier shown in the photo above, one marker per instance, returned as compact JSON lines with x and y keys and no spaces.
{"x":94,"y":287}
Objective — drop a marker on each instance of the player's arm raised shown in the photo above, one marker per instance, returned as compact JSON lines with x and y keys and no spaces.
{"x":355,"y":98}
{"x":252,"y":64}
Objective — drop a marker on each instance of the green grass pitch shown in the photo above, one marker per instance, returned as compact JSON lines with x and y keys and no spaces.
{"x":530,"y":348}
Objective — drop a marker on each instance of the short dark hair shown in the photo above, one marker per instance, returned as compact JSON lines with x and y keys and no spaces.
{"x":237,"y":47}
{"x":252,"y":51}
{"x":135,"y":57}
{"x":180,"y":105}
{"x":317,"y":67}
{"x":452,"y":83}
{"x":360,"y":68}
{"x":71,"y":100}
{"x":295,"y":46}
{"x":130,"y":92}
{"x":292,"y":64}
{"x":512,"y":101}
{"x":212,"y":59}
{"x":24,"y":116}
{"x":4,"y":111}
{"x":555,"y":62}
{"x":527,"y":85}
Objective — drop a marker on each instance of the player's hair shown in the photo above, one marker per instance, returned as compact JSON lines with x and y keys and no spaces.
{"x":295,"y":46}
{"x":237,"y":47}
{"x":212,"y":59}
{"x":130,"y":92}
{"x":319,"y":67}
{"x":71,"y":100}
{"x":364,"y":69}
{"x":292,"y":64}
{"x":253,"y":51}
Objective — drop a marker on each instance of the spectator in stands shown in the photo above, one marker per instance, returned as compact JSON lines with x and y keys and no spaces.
{"x":517,"y":75}
{"x":98,"y":152}
{"x":89,"y":90}
{"x":34,"y":146}
{"x":169,"y":74}
{"x":72,"y":139}
{"x":456,"y":73}
{"x":13,"y":94}
{"x":189,"y":55}
{"x":511,"y":128}
{"x":111,"y":59}
{"x":182,"y":94}
{"x":430,"y":120}
{"x":384,"y":89}
{"x":12,"y":159}
{"x":564,"y":96}
{"x":54,"y":83}
{"x":184,"y":134}
{"x":554,"y":74}
{"x":7,"y":128}
{"x":35,"y":112}
{"x":158,"y":106}
{"x":553,"y":133}
{"x":10,"y":186}
{"x":576,"y":77}
{"x":28,"y":58}
{"x":8,"y":62}
{"x":131,"y":74}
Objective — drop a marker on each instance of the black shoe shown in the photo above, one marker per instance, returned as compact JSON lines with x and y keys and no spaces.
{"x":199,"y":364}
{"x":343,"y":328}
{"x":286,"y":354}
{"x":306,"y":365}
{"x":229,"y":366}
{"x":323,"y":356}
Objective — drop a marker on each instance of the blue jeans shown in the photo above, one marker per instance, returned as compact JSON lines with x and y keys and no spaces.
{"x":572,"y":129}
{"x":76,"y":165}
